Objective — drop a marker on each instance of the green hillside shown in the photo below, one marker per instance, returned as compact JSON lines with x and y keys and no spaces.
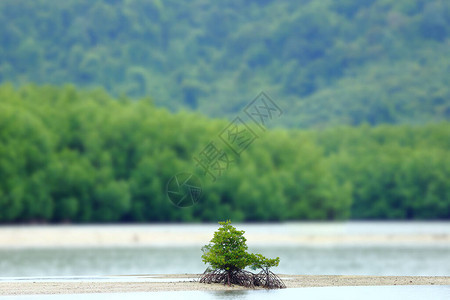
{"x":326,"y":62}
{"x":102,"y":102}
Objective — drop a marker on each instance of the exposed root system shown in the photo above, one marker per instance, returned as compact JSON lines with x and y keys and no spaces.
{"x":268,"y":280}
{"x":244,"y":278}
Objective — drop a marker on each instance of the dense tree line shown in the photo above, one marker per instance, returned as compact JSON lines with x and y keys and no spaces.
{"x":69,"y":155}
{"x":328,"y":62}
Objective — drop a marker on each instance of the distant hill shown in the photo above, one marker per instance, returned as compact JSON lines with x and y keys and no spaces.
{"x":325,"y":62}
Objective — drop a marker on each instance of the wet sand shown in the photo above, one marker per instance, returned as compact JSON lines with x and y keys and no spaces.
{"x":291,"y":281}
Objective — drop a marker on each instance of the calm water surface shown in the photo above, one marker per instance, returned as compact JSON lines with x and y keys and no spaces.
{"x":335,"y":293}
{"x":320,"y":259}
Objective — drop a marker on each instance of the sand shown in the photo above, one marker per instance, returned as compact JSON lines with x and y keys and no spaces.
{"x":291,"y":281}
{"x":192,"y":235}
{"x":143,"y":236}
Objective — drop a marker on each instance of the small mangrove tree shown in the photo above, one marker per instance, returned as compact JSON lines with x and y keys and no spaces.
{"x":227,"y":257}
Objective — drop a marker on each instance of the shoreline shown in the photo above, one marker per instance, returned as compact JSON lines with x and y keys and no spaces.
{"x":199,"y":235}
{"x":291,"y":281}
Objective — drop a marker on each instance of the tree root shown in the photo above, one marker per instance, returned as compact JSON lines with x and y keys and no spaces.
{"x":243,"y":278}
{"x":268,"y":280}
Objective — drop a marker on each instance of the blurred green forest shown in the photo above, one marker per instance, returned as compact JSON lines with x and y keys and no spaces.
{"x":103,"y":101}
{"x":328,"y":63}
{"x":69,"y":155}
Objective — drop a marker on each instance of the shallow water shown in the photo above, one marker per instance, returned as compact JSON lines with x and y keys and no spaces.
{"x":386,"y":258}
{"x":336,"y":293}
{"x":313,"y":260}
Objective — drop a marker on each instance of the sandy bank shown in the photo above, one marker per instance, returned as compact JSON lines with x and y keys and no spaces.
{"x":292,"y":281}
{"x":192,"y":235}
